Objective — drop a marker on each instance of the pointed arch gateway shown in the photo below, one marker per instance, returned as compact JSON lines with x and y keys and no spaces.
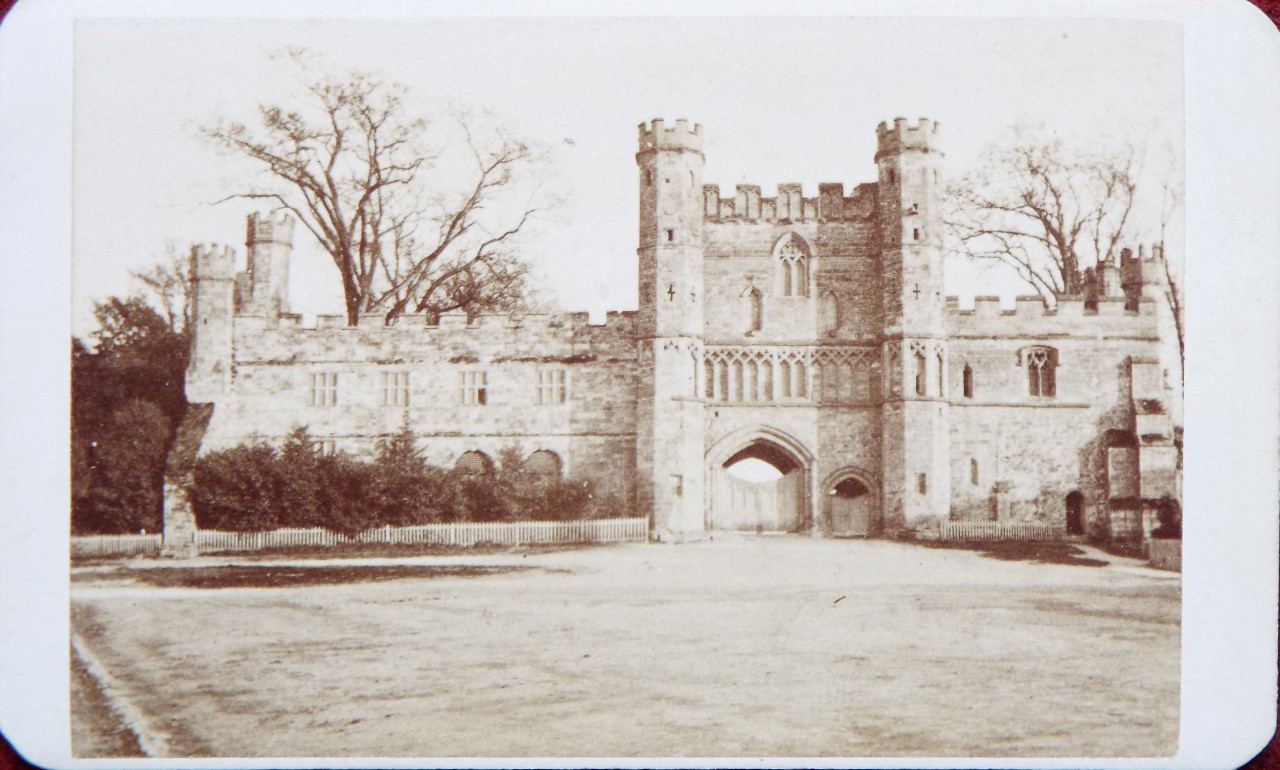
{"x":777,"y":501}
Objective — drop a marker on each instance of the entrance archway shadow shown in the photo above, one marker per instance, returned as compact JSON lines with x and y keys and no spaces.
{"x":758,"y":503}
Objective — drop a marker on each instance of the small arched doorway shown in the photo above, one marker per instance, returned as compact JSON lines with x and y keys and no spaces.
{"x":850,"y":505}
{"x":1075,"y":513}
{"x":761,"y":487}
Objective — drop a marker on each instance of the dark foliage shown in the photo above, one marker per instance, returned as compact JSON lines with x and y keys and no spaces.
{"x":258,"y":488}
{"x":126,"y":399}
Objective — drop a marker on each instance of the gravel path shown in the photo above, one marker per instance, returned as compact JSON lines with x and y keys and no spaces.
{"x":748,"y":647}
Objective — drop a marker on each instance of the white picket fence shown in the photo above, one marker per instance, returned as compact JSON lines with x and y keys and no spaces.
{"x":463,"y":534}
{"x":998,"y":530}
{"x":115,"y":545}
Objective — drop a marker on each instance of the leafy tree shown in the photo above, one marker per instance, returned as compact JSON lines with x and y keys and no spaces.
{"x":417,"y":214}
{"x":1047,"y":210}
{"x":404,"y":489}
{"x":301,"y":503}
{"x":137,"y":359}
{"x":121,"y":486}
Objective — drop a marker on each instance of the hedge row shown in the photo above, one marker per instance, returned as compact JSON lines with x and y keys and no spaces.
{"x":257,"y":487}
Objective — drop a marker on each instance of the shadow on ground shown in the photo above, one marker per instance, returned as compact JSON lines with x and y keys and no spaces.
{"x":276,"y":576}
{"x":1016,"y":550}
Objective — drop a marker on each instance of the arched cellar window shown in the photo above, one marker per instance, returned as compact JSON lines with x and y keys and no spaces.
{"x":793,"y":267}
{"x":1042,"y":363}
{"x":544,"y":465}
{"x":474,"y":463}
{"x":755,"y":311}
{"x":967,"y":378}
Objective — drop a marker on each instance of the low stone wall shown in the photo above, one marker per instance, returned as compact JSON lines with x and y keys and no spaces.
{"x":1165,"y":554}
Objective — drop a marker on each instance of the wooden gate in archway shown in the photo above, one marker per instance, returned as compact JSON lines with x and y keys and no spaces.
{"x":852,"y":506}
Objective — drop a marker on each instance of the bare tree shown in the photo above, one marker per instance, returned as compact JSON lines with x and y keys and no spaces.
{"x":169,"y":284}
{"x":417,"y":215}
{"x":1048,"y":212}
{"x":1170,"y":201}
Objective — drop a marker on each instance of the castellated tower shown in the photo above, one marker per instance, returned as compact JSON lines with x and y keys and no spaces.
{"x":209,"y":370}
{"x":269,"y":241}
{"x":669,"y":327}
{"x":916,"y":435}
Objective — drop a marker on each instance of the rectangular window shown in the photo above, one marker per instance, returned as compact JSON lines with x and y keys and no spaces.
{"x":474,"y":389}
{"x":324,"y":388}
{"x":395,"y":388}
{"x":326,"y":447}
{"x":551,"y":388}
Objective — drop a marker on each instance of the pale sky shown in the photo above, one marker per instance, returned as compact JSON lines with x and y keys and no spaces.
{"x":780,"y":99}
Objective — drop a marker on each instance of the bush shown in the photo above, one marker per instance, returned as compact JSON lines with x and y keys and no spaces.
{"x":239,"y":489}
{"x":253,"y":488}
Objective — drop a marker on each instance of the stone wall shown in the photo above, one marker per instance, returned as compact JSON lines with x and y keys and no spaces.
{"x":592,"y":430}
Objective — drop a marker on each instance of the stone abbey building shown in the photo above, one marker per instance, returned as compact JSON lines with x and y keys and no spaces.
{"x":808,"y":332}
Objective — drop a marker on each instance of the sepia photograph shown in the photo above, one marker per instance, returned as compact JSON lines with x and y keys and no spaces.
{"x":634,"y":387}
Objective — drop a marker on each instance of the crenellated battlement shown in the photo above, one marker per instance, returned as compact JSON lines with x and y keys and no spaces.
{"x":268,"y":226}
{"x":618,"y":324}
{"x":213,"y":261}
{"x":902,"y":136}
{"x":1070,"y":317}
{"x":497,"y":338}
{"x":659,"y":136}
{"x":789,"y":205}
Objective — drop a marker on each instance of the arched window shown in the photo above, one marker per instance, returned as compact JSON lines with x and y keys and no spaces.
{"x":709,"y":375}
{"x":544,"y":465}
{"x":968,"y":381}
{"x":973,"y":471}
{"x":755,"y":310}
{"x":474,"y":463}
{"x":920,"y":376}
{"x":1041,"y":364}
{"x":942,"y":376}
{"x":801,"y":384}
{"x":766,"y":381}
{"x":830,"y":313}
{"x":793,"y":268}
{"x":784,"y":379}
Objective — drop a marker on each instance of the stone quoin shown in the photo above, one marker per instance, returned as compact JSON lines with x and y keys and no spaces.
{"x":811,"y":333}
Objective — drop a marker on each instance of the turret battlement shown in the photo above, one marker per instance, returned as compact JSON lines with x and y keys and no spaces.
{"x":212,"y":260}
{"x":268,"y":226}
{"x":659,"y":136}
{"x":901,"y":136}
{"x":789,"y":205}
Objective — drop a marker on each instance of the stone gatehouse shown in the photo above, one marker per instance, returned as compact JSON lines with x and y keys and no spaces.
{"x":807,"y":332}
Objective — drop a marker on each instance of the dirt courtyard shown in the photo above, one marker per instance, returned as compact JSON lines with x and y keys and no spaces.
{"x":772,"y":646}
